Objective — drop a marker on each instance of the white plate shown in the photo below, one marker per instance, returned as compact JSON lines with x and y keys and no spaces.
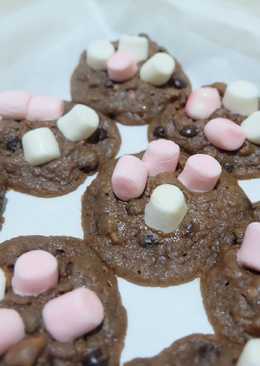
{"x":40,"y":42}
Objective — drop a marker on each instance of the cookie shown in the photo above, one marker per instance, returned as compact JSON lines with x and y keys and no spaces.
{"x":194,"y":350}
{"x":148,"y":256}
{"x":231,"y":298}
{"x":131,"y":102}
{"x":188,"y":132}
{"x":68,"y":169}
{"x":78,"y":266}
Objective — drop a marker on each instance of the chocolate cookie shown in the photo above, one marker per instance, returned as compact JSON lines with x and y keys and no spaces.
{"x":189,"y":134}
{"x":194,"y":350}
{"x":231,"y":297}
{"x":153,"y":258}
{"x":133,"y":102}
{"x":62,"y":175}
{"x":78,"y":266}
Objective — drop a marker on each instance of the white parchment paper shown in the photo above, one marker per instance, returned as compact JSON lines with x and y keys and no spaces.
{"x":40,"y":42}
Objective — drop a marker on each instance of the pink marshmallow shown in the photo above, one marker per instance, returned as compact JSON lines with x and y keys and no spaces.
{"x":224,"y":134}
{"x":161,"y":156}
{"x":14,"y":104}
{"x":202,"y":103}
{"x":73,"y":314}
{"x":201,"y":173}
{"x":34,"y":273}
{"x":249,"y":253}
{"x":129,"y":178}
{"x":12,"y":329}
{"x":44,"y":108}
{"x":121,"y":67}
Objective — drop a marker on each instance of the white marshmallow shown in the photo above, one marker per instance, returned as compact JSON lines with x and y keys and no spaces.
{"x":251,"y":127}
{"x":136,"y":46}
{"x":78,"y":124}
{"x":241,"y":97}
{"x":98,"y":53}
{"x":40,"y":146}
{"x":166,"y":208}
{"x":250,"y":355}
{"x":251,"y":188}
{"x":158,"y":69}
{"x":2,"y":284}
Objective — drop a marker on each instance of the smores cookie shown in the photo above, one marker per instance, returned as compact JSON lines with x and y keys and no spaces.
{"x":157,"y":227}
{"x":131,"y":80}
{"x":59,"y":305}
{"x":220,"y":120}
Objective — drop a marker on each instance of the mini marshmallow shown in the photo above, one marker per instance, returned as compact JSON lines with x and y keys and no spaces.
{"x":251,"y":188}
{"x":12,"y":329}
{"x":35,"y":272}
{"x":249,"y":253}
{"x":14,"y":104}
{"x":161,"y":156}
{"x":98,"y":53}
{"x":201,"y":173}
{"x":73,"y":314}
{"x":158,"y":69}
{"x":166,"y":208}
{"x":129,"y":178}
{"x":202,"y":103}
{"x":78,"y":124}
{"x":2,"y":284}
{"x":251,"y":127}
{"x":121,"y":67}
{"x":136,"y":46}
{"x":44,"y":108}
{"x":40,"y":146}
{"x":250,"y":355}
{"x":224,"y":134}
{"x":241,"y":97}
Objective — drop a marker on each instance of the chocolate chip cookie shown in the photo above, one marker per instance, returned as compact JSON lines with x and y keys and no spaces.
{"x":153,"y":258}
{"x":133,"y":102}
{"x":62,"y":175}
{"x":231,"y":297}
{"x":194,"y":350}
{"x":189,"y":134}
{"x":78,"y":266}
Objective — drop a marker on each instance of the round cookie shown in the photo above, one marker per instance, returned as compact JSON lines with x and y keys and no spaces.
{"x":60,"y":176}
{"x":78,"y":266}
{"x":189,"y":134}
{"x":231,"y":298}
{"x":133,"y":102}
{"x":194,"y":350}
{"x":153,"y":258}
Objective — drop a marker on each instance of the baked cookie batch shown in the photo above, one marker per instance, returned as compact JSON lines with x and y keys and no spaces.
{"x":182,"y":209}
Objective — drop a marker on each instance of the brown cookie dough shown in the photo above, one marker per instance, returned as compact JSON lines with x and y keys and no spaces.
{"x":231,"y":297}
{"x":60,"y":176}
{"x":194,"y":350}
{"x":133,"y":102}
{"x":153,"y":258}
{"x":78,"y":266}
{"x":2,"y":199}
{"x":189,"y":134}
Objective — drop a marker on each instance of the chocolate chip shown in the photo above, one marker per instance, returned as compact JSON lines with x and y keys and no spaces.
{"x":26,"y":352}
{"x":228,"y":167}
{"x":178,"y":83}
{"x":99,"y":135}
{"x":108,"y":84}
{"x":189,"y":131}
{"x":207,"y":351}
{"x":150,"y":240}
{"x":159,"y":132}
{"x":95,"y":358}
{"x":13,"y":144}
{"x":88,"y":161}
